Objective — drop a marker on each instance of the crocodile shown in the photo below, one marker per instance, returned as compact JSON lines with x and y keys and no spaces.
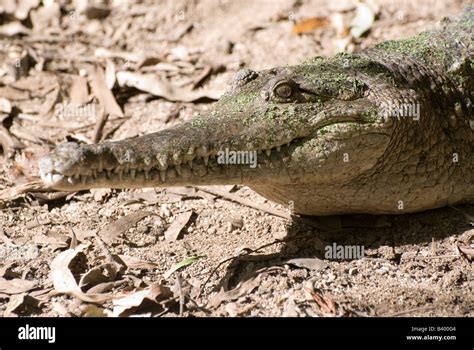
{"x":386,"y":130}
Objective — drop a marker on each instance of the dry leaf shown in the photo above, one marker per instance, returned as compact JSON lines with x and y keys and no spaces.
{"x":149,"y":299}
{"x":137,"y":264}
{"x":110,"y":74}
{"x":79,"y":92}
{"x":310,"y":24}
{"x":24,"y":7}
{"x":100,"y":194}
{"x":7,"y":272}
{"x":128,"y":56}
{"x":103,"y":93}
{"x":64,"y":281}
{"x":325,"y":304}
{"x":21,"y":304}
{"x":106,"y":272}
{"x":15,"y":286}
{"x":233,"y":294}
{"x":363,"y":20}
{"x":163,"y":88}
{"x":314,"y":264}
{"x":48,"y":240}
{"x":122,"y":225}
{"x":174,"y":230}
{"x":14,"y":28}
{"x":12,"y":193}
{"x":469,"y":251}
{"x":46,"y":16}
{"x":5,"y":105}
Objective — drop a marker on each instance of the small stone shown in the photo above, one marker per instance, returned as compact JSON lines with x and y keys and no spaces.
{"x":232,"y":309}
{"x":211,"y":230}
{"x":353,"y":271}
{"x":382,"y":271}
{"x":236,"y":222}
{"x":387,"y":253}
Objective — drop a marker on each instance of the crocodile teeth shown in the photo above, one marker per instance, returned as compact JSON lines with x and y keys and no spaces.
{"x":83,"y":179}
{"x":278,"y":148}
{"x":100,"y":166}
{"x":77,"y":176}
{"x":108,"y":173}
{"x":133,"y":172}
{"x":147,"y":174}
{"x":268,"y":152}
{"x":163,"y":175}
{"x":162,"y":162}
{"x":190,"y":163}
{"x":206,"y":160}
{"x":94,"y":173}
{"x":120,"y":174}
{"x":177,"y":167}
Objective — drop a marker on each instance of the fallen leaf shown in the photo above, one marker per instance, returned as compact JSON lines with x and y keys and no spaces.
{"x":128,"y":56}
{"x":310,"y":24}
{"x":137,"y":264}
{"x":21,"y":305}
{"x":64,"y":281}
{"x":467,"y":250}
{"x":24,"y":7}
{"x":12,"y":193}
{"x":100,"y":194}
{"x":181,"y":264}
{"x":93,"y":311}
{"x":122,"y":225}
{"x":43,"y":240}
{"x":46,"y":16}
{"x":103,"y":93}
{"x":7,"y":272}
{"x":79,"y":92}
{"x":363,"y":20}
{"x":9,"y":142}
{"x":242,"y":289}
{"x":174,"y":230}
{"x":141,"y":300}
{"x":14,"y":28}
{"x":163,"y":88}
{"x":314,"y":264}
{"x":106,"y":272}
{"x":5,"y":105}
{"x":16,"y":285}
{"x":325,"y":304}
{"x":110,"y":74}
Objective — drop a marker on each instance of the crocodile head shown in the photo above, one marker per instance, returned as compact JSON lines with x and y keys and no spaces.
{"x":309,"y":124}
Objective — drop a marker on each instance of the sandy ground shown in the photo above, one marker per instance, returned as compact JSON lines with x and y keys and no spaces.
{"x":411,"y":265}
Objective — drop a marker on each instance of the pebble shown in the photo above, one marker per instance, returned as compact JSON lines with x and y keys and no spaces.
{"x":353,"y":271}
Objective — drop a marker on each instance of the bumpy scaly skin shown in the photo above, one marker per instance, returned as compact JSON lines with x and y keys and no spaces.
{"x":327,"y":142}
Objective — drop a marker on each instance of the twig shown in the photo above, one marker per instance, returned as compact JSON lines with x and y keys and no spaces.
{"x":415,"y":309}
{"x":265,"y":208}
{"x":99,"y":125}
{"x":248,"y":251}
{"x":236,"y":198}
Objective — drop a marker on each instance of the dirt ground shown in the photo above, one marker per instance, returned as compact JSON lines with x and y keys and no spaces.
{"x":109,"y":252}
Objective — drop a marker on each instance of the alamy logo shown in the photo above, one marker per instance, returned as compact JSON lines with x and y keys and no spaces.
{"x":344,"y":252}
{"x":67,"y":110}
{"x":237,"y":157}
{"x":37,"y":333}
{"x":408,"y":110}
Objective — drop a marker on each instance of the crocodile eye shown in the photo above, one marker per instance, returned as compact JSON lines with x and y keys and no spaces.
{"x":283,"y":90}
